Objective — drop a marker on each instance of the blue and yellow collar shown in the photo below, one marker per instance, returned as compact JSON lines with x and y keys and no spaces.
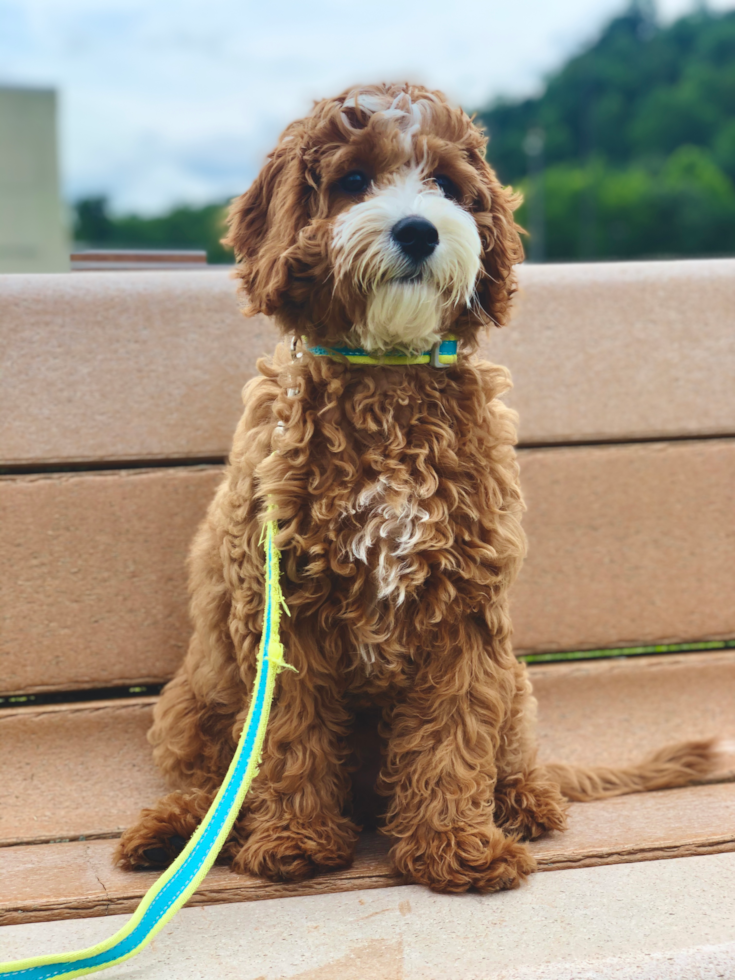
{"x":442,"y":354}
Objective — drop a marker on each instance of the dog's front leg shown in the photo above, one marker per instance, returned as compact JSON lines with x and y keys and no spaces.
{"x":292,"y":822}
{"x":440,"y":773}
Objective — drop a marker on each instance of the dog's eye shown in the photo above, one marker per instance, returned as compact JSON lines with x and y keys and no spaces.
{"x":355,"y":182}
{"x":446,"y":186}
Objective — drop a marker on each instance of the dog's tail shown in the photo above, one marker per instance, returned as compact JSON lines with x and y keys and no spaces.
{"x":674,"y":765}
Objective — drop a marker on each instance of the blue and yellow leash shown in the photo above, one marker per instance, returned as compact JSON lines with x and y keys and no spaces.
{"x":179,"y":882}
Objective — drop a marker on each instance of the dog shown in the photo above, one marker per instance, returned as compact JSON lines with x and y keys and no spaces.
{"x":378,"y":238}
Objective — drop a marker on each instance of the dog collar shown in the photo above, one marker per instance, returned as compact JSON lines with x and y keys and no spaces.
{"x":442,"y":354}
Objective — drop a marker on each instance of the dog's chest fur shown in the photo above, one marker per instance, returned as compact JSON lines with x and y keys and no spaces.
{"x":400,"y":489}
{"x":393,"y":530}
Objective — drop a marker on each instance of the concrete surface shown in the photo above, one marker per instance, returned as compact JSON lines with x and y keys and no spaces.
{"x":618,"y":350}
{"x":627,"y":545}
{"x":663,"y":920}
{"x":93,"y":575}
{"x":77,"y":879}
{"x":134,"y":365}
{"x":146,"y":365}
{"x":86,"y":769}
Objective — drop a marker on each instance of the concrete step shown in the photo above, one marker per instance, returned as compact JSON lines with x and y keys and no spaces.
{"x":78,"y":879}
{"x":628,"y":545}
{"x":85,"y":769}
{"x":662,"y":920}
{"x":149,"y":365}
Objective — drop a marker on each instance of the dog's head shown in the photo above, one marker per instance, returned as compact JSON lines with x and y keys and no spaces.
{"x":376,"y":220}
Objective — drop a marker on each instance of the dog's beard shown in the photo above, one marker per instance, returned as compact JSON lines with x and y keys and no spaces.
{"x":406,"y":315}
{"x":406,"y":305}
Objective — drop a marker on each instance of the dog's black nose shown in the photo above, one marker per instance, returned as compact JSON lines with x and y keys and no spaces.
{"x":416,"y":237}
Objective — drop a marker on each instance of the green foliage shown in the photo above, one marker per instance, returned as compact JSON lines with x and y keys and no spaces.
{"x":640,"y":141}
{"x":183,"y":227}
{"x":684,"y":207}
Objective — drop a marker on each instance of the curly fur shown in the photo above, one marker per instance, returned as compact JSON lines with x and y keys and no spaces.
{"x":397,"y":496}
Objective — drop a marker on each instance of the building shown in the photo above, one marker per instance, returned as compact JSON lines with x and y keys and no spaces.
{"x":33,"y":231}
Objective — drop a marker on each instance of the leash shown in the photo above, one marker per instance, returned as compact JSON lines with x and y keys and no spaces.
{"x":179,"y":882}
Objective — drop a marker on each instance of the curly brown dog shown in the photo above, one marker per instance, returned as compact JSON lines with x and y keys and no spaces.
{"x":376,"y":224}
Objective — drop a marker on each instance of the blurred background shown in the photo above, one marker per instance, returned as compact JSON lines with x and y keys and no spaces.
{"x":129,"y":124}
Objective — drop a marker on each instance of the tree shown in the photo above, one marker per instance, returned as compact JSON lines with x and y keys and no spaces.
{"x":639,"y":140}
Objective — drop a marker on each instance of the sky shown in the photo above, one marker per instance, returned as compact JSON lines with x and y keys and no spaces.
{"x":164,"y":102}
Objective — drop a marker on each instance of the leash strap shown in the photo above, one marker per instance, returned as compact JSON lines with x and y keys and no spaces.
{"x":442,"y":354}
{"x":179,"y":882}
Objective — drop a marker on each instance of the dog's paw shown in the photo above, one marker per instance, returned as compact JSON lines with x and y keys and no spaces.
{"x":457,"y":860}
{"x":162,"y":831}
{"x":295,"y":852}
{"x":527,"y":808}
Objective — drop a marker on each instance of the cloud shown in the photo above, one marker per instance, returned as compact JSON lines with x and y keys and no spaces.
{"x":166,"y":101}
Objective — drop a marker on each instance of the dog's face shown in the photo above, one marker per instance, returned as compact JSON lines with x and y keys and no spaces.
{"x":377,"y":221}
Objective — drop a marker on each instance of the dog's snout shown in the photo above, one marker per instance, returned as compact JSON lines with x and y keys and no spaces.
{"x":416,"y":237}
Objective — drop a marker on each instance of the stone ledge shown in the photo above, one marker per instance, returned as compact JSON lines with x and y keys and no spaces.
{"x":665,"y":920}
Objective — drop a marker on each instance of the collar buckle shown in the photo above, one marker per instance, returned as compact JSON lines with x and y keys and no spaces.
{"x":434,"y":360}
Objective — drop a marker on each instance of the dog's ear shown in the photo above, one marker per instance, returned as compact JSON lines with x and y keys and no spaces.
{"x":264,"y":223}
{"x":502,"y":248}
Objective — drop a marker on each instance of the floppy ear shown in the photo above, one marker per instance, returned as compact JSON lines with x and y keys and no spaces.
{"x":264,"y":223}
{"x":501,"y":248}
